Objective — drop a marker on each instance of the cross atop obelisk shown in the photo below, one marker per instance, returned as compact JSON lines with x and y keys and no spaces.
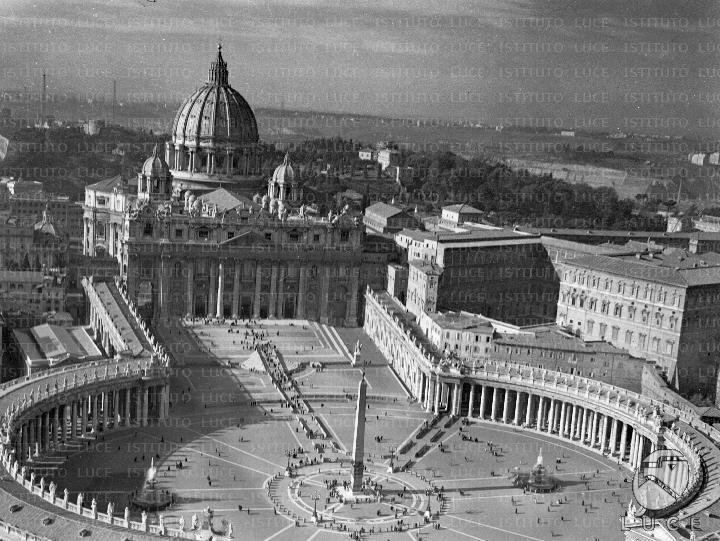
{"x":358,"y":466}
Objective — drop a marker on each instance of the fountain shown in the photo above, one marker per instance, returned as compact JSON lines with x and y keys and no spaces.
{"x":537,"y":479}
{"x":150,"y":497}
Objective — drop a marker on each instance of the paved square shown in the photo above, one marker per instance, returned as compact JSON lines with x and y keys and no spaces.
{"x":231,"y":432}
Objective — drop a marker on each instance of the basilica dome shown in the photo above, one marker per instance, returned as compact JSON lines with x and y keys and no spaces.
{"x":215,"y":116}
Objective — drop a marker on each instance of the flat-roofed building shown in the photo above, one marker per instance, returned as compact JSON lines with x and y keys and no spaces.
{"x":383,"y":218}
{"x":657,"y":305}
{"x":47,"y":346}
{"x":456,"y":215}
{"x":459,"y":334}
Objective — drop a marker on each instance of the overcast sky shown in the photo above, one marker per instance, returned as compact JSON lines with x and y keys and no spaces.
{"x":641,"y":66}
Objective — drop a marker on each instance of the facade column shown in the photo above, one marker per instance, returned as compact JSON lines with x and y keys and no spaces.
{"x":236,"y":289}
{"x":483,"y":400}
{"x":105,"y":410}
{"x":219,"y":312}
{"x":351,"y":308}
{"x":212,"y":289}
{"x":633,"y":445}
{"x":518,"y":405}
{"x":506,"y":406}
{"x":63,"y":423}
{"x":45,"y":442}
{"x":325,"y":294}
{"x":436,"y":406}
{"x":272,"y":304}
{"x":190,"y":289}
{"x":280,"y":304}
{"x":493,"y":407}
{"x":258,"y":286}
{"x":429,"y":396}
{"x":302,"y":292}
{"x":551,"y":416}
{"x":528,"y":410}
{"x":623,"y":442}
{"x":561,"y":431}
{"x":471,"y":404}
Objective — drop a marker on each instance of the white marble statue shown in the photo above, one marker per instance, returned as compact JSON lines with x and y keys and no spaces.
{"x":181,"y":523}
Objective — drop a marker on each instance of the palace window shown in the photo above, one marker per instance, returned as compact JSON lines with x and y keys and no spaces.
{"x":344,"y":236}
{"x":669,"y":347}
{"x":672,"y":322}
{"x":178,"y":233}
{"x":590,"y":325}
{"x":658,"y":319}
{"x":230,"y":235}
{"x":603,"y":328}
{"x":641,"y":341}
{"x":628,"y":337}
{"x":617,"y":310}
{"x":316,"y":237}
{"x":148,"y":230}
{"x":656,"y":345}
{"x":631,"y":312}
{"x":268,"y":236}
{"x":203,"y":234}
{"x":615,"y":332}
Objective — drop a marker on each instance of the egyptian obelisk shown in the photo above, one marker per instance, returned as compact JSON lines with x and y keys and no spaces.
{"x":358,"y":466}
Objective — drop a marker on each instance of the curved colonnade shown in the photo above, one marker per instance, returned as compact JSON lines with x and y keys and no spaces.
{"x":617,"y":423}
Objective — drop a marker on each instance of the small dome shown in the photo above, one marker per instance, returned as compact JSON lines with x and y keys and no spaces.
{"x":155,"y":166}
{"x":284,"y":173}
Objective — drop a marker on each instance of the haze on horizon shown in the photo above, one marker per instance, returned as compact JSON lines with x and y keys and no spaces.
{"x":641,"y":66}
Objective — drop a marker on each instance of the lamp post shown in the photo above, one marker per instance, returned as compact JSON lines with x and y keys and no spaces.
{"x":315,"y":499}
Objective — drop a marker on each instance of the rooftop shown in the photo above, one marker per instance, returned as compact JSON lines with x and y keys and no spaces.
{"x":107,"y":184}
{"x":428,"y":267}
{"x":484,"y":234}
{"x":461,"y":321}
{"x":554,"y":338}
{"x":674,"y":267}
{"x":466,"y":209}
{"x":52,"y":344}
{"x":383,"y":210}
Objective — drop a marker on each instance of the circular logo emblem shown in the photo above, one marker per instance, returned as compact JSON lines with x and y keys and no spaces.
{"x":661,"y":478}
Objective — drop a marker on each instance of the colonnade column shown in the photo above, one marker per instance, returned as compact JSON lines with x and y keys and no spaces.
{"x":471,"y":403}
{"x":116,"y":407}
{"x":541,"y":404}
{"x":593,"y":428}
{"x":436,"y":406}
{"x":493,"y":406}
{"x":528,"y":410}
{"x":144,"y":418}
{"x":613,"y":436}
{"x":302,"y":292}
{"x":483,"y":401}
{"x":212,"y":289}
{"x":574,"y":421}
{"x":56,"y":425}
{"x":456,"y":398}
{"x":623,"y":442}
{"x":506,"y":406}
{"x":518,"y":404}
{"x":603,"y":433}
{"x":561,"y":431}
{"x":84,"y":416}
{"x":551,"y":415}
{"x":95,"y":413}
{"x":583,"y":428}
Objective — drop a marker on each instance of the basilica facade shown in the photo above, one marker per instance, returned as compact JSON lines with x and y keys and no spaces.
{"x":189,"y":240}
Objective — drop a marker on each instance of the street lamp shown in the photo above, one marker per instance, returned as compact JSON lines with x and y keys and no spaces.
{"x":315,"y":499}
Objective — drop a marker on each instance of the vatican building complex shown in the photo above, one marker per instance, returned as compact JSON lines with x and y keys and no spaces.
{"x":255,"y":366}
